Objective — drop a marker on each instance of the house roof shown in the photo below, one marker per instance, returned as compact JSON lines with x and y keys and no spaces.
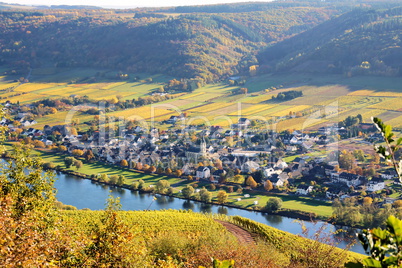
{"x":202,"y":168}
{"x":304,"y":187}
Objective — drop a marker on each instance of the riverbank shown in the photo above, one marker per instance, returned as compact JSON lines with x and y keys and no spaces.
{"x":293,"y":206}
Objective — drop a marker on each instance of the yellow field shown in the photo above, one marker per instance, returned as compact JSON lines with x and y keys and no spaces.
{"x":396,"y":122}
{"x":258,"y":99}
{"x":209,"y":107}
{"x":191,"y":95}
{"x":294,"y":109}
{"x":387,"y":94}
{"x":106,"y":86}
{"x":4,"y":86}
{"x":298,"y":124}
{"x":197,"y":120}
{"x":394,"y":104}
{"x":146,"y":112}
{"x":364,"y":92}
{"x":253,"y":109}
{"x":30,"y":87}
{"x":25,"y":98}
{"x":107,"y":94}
{"x":346,"y":100}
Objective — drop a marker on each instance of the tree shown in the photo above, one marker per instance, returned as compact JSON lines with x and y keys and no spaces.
{"x":268,"y":185}
{"x":187,"y":191}
{"x":89,"y":155}
{"x":38,"y":144}
{"x":62,"y":148}
{"x":205,"y":195}
{"x":141,"y":185}
{"x":73,"y":131}
{"x":104,"y":178}
{"x":112,"y":242}
{"x":113,"y":179}
{"x":78,"y":164}
{"x":124,"y":163}
{"x":152,"y":169}
{"x":359,"y":155}
{"x":251,"y":182}
{"x":238,"y":178}
{"x":161,"y":186}
{"x":178,"y":173}
{"x":77,"y":152}
{"x":397,"y":204}
{"x":138,"y":166}
{"x":68,"y":161}
{"x":273,"y":204}
{"x":28,"y":215}
{"x":222,"y":197}
{"x":367,"y":201}
{"x":347,"y":160}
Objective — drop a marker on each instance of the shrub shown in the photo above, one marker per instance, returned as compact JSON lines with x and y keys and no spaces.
{"x":273,"y":204}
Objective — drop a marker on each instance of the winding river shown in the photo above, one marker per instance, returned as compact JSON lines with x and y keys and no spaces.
{"x":83,"y":193}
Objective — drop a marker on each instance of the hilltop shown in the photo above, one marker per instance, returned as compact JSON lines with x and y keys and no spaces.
{"x":203,"y":46}
{"x":360,"y":42}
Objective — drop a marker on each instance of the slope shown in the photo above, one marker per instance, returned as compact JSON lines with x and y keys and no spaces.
{"x":207,"y":47}
{"x":363,"y":41}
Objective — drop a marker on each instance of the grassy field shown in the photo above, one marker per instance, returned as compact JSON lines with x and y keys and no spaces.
{"x":101,"y":168}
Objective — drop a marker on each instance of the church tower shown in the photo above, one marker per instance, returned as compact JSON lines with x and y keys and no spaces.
{"x":203,"y":148}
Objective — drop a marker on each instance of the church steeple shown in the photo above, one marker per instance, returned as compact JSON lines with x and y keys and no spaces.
{"x":203,"y":147}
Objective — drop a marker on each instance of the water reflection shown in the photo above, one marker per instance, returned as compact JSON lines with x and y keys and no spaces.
{"x":273,"y":219}
{"x":188,"y":205}
{"x":160,"y":200}
{"x":223,"y":210}
{"x":206,"y":208}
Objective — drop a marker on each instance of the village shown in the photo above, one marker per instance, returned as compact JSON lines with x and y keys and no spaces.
{"x":307,"y":164}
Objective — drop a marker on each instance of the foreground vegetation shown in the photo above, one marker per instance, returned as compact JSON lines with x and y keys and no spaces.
{"x":36,"y":233}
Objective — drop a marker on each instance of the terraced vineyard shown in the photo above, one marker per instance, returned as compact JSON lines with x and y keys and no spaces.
{"x":215,"y":104}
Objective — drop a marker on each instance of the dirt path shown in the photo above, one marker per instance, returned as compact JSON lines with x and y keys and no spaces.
{"x":242,"y":235}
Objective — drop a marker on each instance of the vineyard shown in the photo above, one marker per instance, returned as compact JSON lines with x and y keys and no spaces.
{"x":153,"y":222}
{"x":212,"y":104}
{"x":294,"y":245}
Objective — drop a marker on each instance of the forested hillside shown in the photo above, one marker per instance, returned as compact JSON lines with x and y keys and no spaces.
{"x":204,"y":46}
{"x":208,"y":43}
{"x":363,"y":41}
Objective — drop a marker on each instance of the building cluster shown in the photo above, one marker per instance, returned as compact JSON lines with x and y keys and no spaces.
{"x":241,"y":149}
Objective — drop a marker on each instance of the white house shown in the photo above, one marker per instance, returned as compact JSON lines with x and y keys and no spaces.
{"x":250,"y":166}
{"x":243,"y":122}
{"x":280,"y":180}
{"x":203,"y":172}
{"x":375,"y":184}
{"x":291,"y":148}
{"x":268,"y":172}
{"x":304,"y":189}
{"x":281,"y":164}
{"x":348,"y":178}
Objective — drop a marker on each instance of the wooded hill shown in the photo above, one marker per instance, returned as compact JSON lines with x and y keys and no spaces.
{"x":363,"y":41}
{"x":210,"y":44}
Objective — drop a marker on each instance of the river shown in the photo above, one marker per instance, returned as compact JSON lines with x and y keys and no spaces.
{"x":83,"y":193}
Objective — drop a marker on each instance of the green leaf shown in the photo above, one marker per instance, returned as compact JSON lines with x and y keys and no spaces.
{"x":381,"y":234}
{"x":391,"y":261}
{"x":395,"y":227}
{"x":353,"y":265}
{"x":370,"y":262}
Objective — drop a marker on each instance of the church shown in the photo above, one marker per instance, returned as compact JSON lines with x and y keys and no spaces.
{"x":195,"y":153}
